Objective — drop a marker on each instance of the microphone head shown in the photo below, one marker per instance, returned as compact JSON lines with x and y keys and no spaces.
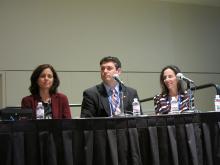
{"x":115,"y":76}
{"x":179,"y":76}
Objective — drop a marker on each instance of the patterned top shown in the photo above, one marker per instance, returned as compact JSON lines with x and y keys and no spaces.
{"x":162,"y":103}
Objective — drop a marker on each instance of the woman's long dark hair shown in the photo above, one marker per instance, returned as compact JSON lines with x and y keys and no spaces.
{"x":34,"y":87}
{"x":180,"y":85}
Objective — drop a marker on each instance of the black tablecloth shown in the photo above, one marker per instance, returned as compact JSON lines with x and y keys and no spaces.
{"x":186,"y":139}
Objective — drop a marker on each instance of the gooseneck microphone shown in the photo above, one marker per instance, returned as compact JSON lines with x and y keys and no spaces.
{"x":117,"y":78}
{"x":180,"y":76}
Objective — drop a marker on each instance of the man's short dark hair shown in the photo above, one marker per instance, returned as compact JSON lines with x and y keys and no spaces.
{"x":111,"y":59}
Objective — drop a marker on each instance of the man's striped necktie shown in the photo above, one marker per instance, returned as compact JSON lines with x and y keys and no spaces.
{"x":115,"y":102}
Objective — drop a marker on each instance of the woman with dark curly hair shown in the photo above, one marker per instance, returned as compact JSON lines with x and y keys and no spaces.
{"x":173,"y":97}
{"x":43,"y":88}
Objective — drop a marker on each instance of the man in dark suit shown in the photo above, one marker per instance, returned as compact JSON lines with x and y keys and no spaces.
{"x":105,"y":99}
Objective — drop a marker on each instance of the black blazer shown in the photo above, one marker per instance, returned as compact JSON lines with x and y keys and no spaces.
{"x":95,"y":101}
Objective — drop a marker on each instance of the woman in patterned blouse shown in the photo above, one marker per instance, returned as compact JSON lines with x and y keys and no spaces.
{"x":173,"y":97}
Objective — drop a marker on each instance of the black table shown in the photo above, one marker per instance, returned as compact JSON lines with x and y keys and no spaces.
{"x":186,"y":139}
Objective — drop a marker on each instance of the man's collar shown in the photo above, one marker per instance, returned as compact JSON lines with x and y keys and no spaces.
{"x":107,"y":87}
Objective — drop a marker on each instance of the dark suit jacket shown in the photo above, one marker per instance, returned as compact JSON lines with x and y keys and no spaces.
{"x":95,"y":101}
{"x":59,"y":105}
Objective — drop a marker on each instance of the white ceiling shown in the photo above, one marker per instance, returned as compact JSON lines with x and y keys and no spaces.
{"x":198,"y":2}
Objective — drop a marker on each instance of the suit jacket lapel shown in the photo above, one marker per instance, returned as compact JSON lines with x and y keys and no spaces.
{"x":104,"y":98}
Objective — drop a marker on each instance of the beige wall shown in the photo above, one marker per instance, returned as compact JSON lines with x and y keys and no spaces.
{"x":73,"y":35}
